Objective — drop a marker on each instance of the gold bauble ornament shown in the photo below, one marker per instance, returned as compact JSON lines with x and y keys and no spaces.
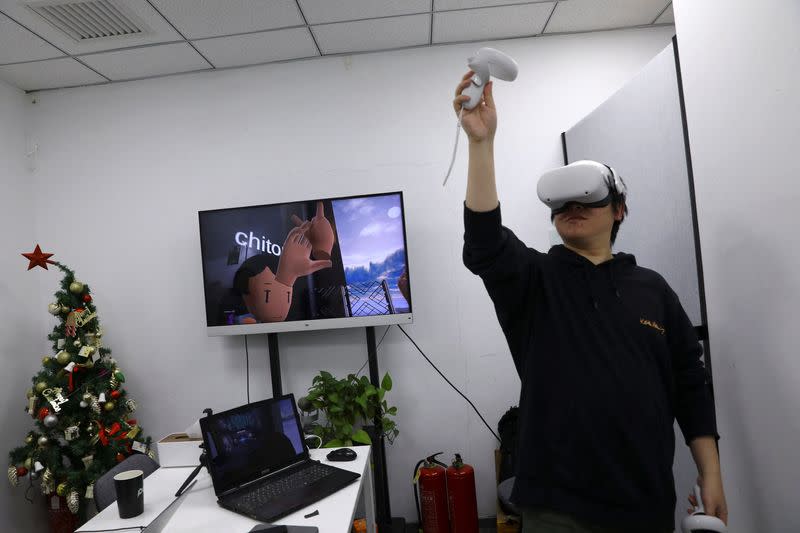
{"x":63,"y":357}
{"x":61,"y":490}
{"x":45,"y":360}
{"x":76,"y":287}
{"x":29,"y":439}
{"x":28,"y":462}
{"x":54,"y":309}
{"x":40,"y":386}
{"x":109,"y":406}
{"x":42,"y":442}
{"x":65,"y":309}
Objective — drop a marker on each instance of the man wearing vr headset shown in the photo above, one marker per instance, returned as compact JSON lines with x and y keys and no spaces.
{"x":606,"y":355}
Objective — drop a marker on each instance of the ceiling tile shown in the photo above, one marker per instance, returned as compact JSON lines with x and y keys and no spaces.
{"x":373,"y":35}
{"x":490,"y":23}
{"x":448,"y":5}
{"x":18,"y":44}
{"x":157,"y":29}
{"x":212,"y":18}
{"x":667,"y":17}
{"x":319,"y":11}
{"x":255,"y":48}
{"x":147,"y":61}
{"x":49,"y":74}
{"x":587,"y":15}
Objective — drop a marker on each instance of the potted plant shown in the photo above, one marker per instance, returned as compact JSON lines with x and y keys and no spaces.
{"x":350,"y":406}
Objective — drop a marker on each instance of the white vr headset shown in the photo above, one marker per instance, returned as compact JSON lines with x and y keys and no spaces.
{"x":586,"y":182}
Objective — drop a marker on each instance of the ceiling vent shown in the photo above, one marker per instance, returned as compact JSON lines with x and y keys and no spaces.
{"x":88,"y":20}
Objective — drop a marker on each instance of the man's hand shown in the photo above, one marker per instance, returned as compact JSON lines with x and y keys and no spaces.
{"x":295,"y":258}
{"x":480,"y":122}
{"x":319,"y":232}
{"x":713,"y":496}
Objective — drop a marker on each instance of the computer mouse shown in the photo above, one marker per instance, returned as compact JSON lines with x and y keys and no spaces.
{"x":342,"y":454}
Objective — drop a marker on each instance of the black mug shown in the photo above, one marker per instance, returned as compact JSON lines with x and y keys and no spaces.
{"x":130,"y":493}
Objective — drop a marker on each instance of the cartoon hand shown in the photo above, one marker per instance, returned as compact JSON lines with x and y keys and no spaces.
{"x":319,"y":233}
{"x":295,"y":259}
{"x":402,"y":284}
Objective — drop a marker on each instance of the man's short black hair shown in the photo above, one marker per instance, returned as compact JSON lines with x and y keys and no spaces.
{"x":252,"y":267}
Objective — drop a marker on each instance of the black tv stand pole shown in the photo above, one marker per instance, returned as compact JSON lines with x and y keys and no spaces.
{"x":274,"y":364}
{"x":383,"y":509}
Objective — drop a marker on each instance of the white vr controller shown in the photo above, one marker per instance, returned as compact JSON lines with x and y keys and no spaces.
{"x":485,"y":63}
{"x":699,"y":521}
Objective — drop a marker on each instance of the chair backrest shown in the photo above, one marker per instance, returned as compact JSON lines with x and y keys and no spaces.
{"x":105,"y":492}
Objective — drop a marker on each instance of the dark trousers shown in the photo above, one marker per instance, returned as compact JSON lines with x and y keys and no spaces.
{"x":544,"y":521}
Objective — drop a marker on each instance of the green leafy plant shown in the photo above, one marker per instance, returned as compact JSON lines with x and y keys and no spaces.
{"x":349,"y":405}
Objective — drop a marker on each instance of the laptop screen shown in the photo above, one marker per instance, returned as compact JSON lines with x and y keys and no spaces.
{"x":253,"y":440}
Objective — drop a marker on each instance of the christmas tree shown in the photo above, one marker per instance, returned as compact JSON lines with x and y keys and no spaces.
{"x":83,"y":416}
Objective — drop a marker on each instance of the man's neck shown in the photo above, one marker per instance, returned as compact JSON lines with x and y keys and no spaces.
{"x":595,"y":253}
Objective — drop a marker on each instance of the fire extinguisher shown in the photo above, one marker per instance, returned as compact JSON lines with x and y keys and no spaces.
{"x":461,"y":497}
{"x":430,"y":475}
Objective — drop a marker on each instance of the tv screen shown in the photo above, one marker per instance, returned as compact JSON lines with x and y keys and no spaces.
{"x":316,"y":264}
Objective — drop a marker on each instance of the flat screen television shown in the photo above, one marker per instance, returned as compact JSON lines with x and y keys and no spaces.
{"x":315,"y":264}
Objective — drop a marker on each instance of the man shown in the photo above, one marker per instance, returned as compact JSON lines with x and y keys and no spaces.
{"x":606,"y":356}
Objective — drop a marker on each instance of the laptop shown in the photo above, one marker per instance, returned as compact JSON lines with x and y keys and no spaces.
{"x":259,"y":462}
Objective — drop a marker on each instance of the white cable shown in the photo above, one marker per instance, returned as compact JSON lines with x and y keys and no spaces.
{"x":455,"y":147}
{"x":316,"y":437}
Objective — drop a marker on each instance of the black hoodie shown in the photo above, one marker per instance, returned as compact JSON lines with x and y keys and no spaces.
{"x":608,"y":360}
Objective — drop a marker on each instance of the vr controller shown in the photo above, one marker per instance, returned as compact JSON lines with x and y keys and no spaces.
{"x":485,"y":63}
{"x":699,"y":521}
{"x":590,"y":183}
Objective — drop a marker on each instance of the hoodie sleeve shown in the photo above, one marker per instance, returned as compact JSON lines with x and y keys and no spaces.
{"x":694,"y":404}
{"x":506,"y":267}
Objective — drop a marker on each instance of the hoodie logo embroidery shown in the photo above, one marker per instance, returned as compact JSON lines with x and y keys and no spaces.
{"x":652,"y":324}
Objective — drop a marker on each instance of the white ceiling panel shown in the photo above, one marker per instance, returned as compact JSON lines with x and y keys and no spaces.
{"x":319,"y":11}
{"x":147,"y":61}
{"x":18,"y":44}
{"x":49,"y":74}
{"x":212,"y":18}
{"x":157,"y":29}
{"x":373,"y":35}
{"x":667,"y":17}
{"x":586,"y":15}
{"x":449,"y":5}
{"x":490,"y":23}
{"x":255,"y":48}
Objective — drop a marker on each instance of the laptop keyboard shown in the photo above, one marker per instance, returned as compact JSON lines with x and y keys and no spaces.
{"x":278,"y":487}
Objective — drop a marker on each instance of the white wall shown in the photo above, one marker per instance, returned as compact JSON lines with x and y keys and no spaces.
{"x":21,"y":318}
{"x":739,"y":62}
{"x":124,"y":169}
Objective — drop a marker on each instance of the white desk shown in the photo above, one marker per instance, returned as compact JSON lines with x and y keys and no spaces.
{"x":200,"y":512}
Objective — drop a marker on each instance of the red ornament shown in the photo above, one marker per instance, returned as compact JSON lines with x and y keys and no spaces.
{"x":21,"y":471}
{"x":116,"y":393}
{"x":43,"y":412}
{"x":120,"y":457}
{"x":38,"y":258}
{"x":87,"y":298}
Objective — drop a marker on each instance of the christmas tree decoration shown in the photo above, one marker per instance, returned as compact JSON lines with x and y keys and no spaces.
{"x":76,"y":287}
{"x":71,"y":433}
{"x":77,"y":437}
{"x":38,"y":258}
{"x":63,"y":357}
{"x":48,"y":482}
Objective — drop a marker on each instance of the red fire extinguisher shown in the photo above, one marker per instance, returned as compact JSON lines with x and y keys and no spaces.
{"x":461,"y":496}
{"x":430,"y":475}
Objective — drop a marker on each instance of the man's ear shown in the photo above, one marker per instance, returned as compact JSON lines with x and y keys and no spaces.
{"x":619,"y":214}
